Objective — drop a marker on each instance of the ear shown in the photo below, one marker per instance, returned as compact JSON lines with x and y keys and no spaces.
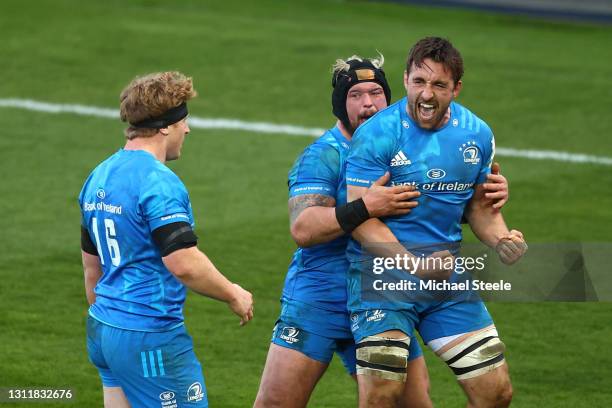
{"x":457,"y":89}
{"x":406,"y":80}
{"x":164,"y":131}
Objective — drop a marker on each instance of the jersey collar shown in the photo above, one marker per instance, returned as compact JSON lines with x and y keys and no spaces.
{"x":403,"y":103}
{"x":343,"y":141}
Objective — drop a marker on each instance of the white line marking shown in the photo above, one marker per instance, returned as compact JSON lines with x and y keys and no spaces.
{"x":553,"y":155}
{"x":200,"y":123}
{"x":263,"y":127}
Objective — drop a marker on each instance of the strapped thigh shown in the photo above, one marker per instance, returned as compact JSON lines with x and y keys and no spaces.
{"x":383,"y":357}
{"x":476,"y":355}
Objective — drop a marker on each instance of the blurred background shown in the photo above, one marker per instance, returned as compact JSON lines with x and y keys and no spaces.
{"x":539,"y":72}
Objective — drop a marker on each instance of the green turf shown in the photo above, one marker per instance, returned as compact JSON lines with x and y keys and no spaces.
{"x":540,"y":85}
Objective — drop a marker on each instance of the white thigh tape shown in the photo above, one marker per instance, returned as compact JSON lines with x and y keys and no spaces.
{"x":383,"y":357}
{"x":476,"y":355}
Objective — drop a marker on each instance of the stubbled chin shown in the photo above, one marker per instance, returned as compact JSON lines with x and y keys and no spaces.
{"x":425,"y":116}
{"x":429,"y":123}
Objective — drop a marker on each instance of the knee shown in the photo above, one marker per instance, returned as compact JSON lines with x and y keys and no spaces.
{"x":383,"y":398}
{"x":416,"y":393}
{"x":504,"y":395}
{"x":267,"y":399}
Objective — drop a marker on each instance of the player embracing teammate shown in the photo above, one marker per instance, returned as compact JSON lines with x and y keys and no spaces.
{"x":314,"y":322}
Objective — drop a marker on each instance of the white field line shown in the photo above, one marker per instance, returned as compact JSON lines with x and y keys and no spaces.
{"x":263,"y":127}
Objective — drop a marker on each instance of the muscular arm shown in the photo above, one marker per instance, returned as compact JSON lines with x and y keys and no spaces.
{"x":313,"y":219}
{"x":192,"y":267}
{"x":486,"y":222}
{"x":374,"y":230}
{"x":92,"y":271}
{"x":489,"y":226}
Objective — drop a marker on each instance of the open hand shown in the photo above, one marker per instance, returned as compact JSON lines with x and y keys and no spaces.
{"x":383,"y":201}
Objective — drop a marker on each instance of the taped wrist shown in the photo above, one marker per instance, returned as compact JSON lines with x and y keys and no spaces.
{"x":351,"y":215}
{"x":174,"y":236}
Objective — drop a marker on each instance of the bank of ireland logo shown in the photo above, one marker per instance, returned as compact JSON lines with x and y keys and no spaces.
{"x":375,"y":316}
{"x":455,"y":122}
{"x":290,"y":335}
{"x":436,"y":174}
{"x":470,"y":153}
{"x":195,"y":392}
{"x":100,"y":193}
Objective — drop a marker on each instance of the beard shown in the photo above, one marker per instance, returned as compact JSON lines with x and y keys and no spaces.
{"x":360,"y":120}
{"x":428,"y":114}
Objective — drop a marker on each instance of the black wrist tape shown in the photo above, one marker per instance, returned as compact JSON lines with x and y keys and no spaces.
{"x":352,"y":215}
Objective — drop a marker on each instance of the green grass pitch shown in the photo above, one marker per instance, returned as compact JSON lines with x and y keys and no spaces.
{"x":540,"y":85}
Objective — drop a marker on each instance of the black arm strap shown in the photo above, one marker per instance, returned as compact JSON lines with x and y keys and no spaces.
{"x":174,"y":236}
{"x":87,"y":244}
{"x":352,"y":215}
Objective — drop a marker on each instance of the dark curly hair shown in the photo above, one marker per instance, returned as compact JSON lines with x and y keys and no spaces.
{"x":439,"y":50}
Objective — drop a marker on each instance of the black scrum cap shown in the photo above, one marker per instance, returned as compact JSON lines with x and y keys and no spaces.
{"x":342,"y":81}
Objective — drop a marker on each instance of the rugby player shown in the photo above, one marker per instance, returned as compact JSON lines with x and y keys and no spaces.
{"x":314,"y":322}
{"x":140,"y":253}
{"x":427,"y":139}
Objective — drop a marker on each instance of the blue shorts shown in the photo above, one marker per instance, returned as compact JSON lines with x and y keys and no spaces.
{"x":319,"y":333}
{"x":434,"y":314}
{"x":154,"y":369}
{"x":431,"y":321}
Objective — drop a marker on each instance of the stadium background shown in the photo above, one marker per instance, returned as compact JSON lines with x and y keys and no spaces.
{"x":539,"y":84}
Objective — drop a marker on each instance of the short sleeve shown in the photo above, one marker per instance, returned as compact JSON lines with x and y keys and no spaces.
{"x":164,"y":200}
{"x":369,"y":157}
{"x":488,"y":153}
{"x":80,"y":200}
{"x":316,"y":171}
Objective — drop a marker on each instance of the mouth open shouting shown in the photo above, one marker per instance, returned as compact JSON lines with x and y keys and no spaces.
{"x":428,"y":115}
{"x":431,"y":88}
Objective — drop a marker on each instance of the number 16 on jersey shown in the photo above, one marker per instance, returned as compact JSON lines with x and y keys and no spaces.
{"x":110,"y":238}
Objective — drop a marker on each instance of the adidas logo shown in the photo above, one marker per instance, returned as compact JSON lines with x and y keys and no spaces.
{"x":400,"y":159}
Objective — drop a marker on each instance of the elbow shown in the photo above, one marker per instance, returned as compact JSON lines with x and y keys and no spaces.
{"x":183,"y":271}
{"x":472,"y":212}
{"x":301,"y":236}
{"x":184,"y":263}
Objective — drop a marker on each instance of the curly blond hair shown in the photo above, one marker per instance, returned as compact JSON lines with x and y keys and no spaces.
{"x":151,"y":95}
{"x":342,"y":65}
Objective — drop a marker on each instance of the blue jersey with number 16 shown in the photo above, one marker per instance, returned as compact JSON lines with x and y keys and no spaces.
{"x":124,"y":199}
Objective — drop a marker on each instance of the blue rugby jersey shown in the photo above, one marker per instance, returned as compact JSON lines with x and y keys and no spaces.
{"x":317,"y":275}
{"x":123,"y":200}
{"x":444,"y":164}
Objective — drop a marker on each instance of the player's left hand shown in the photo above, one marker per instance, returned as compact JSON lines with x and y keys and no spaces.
{"x":497,"y":187}
{"x":511,"y":247}
{"x":242,"y":304}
